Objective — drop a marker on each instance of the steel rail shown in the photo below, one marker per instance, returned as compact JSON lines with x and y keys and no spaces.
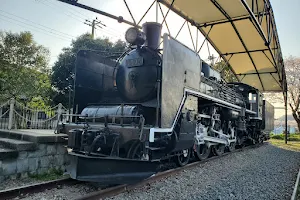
{"x":113,"y":191}
{"x":35,"y":188}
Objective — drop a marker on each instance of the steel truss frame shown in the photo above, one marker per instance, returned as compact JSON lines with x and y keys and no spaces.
{"x":254,"y":16}
{"x":257,"y":20}
{"x":134,"y":22}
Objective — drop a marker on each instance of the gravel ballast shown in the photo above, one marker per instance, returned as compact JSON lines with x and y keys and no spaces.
{"x":63,"y":193}
{"x":266,"y":172}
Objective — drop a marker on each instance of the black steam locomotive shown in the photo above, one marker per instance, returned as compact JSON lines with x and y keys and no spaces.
{"x":154,"y":105}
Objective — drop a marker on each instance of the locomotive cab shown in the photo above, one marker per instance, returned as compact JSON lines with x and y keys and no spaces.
{"x":252,"y":98}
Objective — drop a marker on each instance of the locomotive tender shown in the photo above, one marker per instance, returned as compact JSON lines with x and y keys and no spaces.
{"x":154,"y":106}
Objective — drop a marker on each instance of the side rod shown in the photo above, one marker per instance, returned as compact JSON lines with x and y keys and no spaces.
{"x":120,"y":19}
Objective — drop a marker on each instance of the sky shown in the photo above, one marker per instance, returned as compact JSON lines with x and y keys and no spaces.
{"x":54,"y":24}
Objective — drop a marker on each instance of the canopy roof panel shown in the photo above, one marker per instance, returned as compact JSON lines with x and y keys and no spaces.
{"x":244,"y":34}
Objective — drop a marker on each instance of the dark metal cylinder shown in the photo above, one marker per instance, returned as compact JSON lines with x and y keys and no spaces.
{"x":153,"y":32}
{"x":101,"y":111}
{"x":112,"y":114}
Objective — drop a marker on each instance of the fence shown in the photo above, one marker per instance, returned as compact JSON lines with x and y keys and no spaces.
{"x":14,"y":115}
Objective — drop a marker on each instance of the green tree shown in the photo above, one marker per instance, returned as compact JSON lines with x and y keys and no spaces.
{"x":63,"y":69}
{"x":226,"y":73}
{"x":23,"y":67}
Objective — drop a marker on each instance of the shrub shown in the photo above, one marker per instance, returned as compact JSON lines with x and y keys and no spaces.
{"x":278,"y":137}
{"x":291,"y":137}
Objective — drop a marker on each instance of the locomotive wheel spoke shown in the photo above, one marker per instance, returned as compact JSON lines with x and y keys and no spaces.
{"x":202,"y":151}
{"x":135,"y":151}
{"x":231,"y":147}
{"x":183,"y":158}
{"x":219,"y":149}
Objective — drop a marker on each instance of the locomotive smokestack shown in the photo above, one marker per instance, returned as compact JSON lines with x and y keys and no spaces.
{"x":153,"y":32}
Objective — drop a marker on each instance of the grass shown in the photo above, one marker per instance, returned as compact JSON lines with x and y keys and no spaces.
{"x":52,"y":174}
{"x":291,"y":145}
{"x":298,"y":193}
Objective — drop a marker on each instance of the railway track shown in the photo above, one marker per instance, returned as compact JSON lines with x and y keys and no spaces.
{"x":24,"y":191}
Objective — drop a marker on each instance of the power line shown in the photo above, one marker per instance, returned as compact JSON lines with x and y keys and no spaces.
{"x":38,"y":24}
{"x":66,"y":37}
{"x":11,"y":20}
{"x":69,"y":8}
{"x":107,"y":32}
{"x":55,"y":8}
{"x":114,"y":30}
{"x":112,"y":33}
{"x":71,"y":11}
{"x":110,"y":30}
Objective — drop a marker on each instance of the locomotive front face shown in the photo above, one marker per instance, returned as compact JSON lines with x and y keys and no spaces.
{"x":137,"y":75}
{"x":139,"y":70}
{"x":122,"y":117}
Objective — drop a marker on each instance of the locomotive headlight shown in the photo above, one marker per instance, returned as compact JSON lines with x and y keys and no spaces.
{"x":131,"y":35}
{"x":135,"y":37}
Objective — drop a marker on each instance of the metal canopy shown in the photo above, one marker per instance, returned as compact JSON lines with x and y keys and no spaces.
{"x":244,"y":34}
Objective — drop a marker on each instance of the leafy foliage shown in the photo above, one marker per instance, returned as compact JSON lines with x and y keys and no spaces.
{"x":63,"y":69}
{"x":23,"y":67}
{"x":226,"y":73}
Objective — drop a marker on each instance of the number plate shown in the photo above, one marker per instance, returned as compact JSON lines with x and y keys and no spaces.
{"x":135,"y":62}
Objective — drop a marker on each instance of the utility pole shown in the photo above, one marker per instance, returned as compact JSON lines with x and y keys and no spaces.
{"x":286,"y":121}
{"x":94,"y":24}
{"x":212,"y":59}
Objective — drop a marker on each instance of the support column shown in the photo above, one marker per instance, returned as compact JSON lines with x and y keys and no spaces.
{"x":11,"y":114}
{"x":59,"y":112}
{"x":156,"y":11}
{"x":286,"y":122}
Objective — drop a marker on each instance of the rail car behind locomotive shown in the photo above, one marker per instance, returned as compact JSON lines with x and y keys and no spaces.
{"x":156,"y":105}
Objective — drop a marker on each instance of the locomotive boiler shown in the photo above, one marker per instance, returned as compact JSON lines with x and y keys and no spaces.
{"x":154,"y":105}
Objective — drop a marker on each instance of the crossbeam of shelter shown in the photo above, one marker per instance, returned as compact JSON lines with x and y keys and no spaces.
{"x":244,"y":33}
